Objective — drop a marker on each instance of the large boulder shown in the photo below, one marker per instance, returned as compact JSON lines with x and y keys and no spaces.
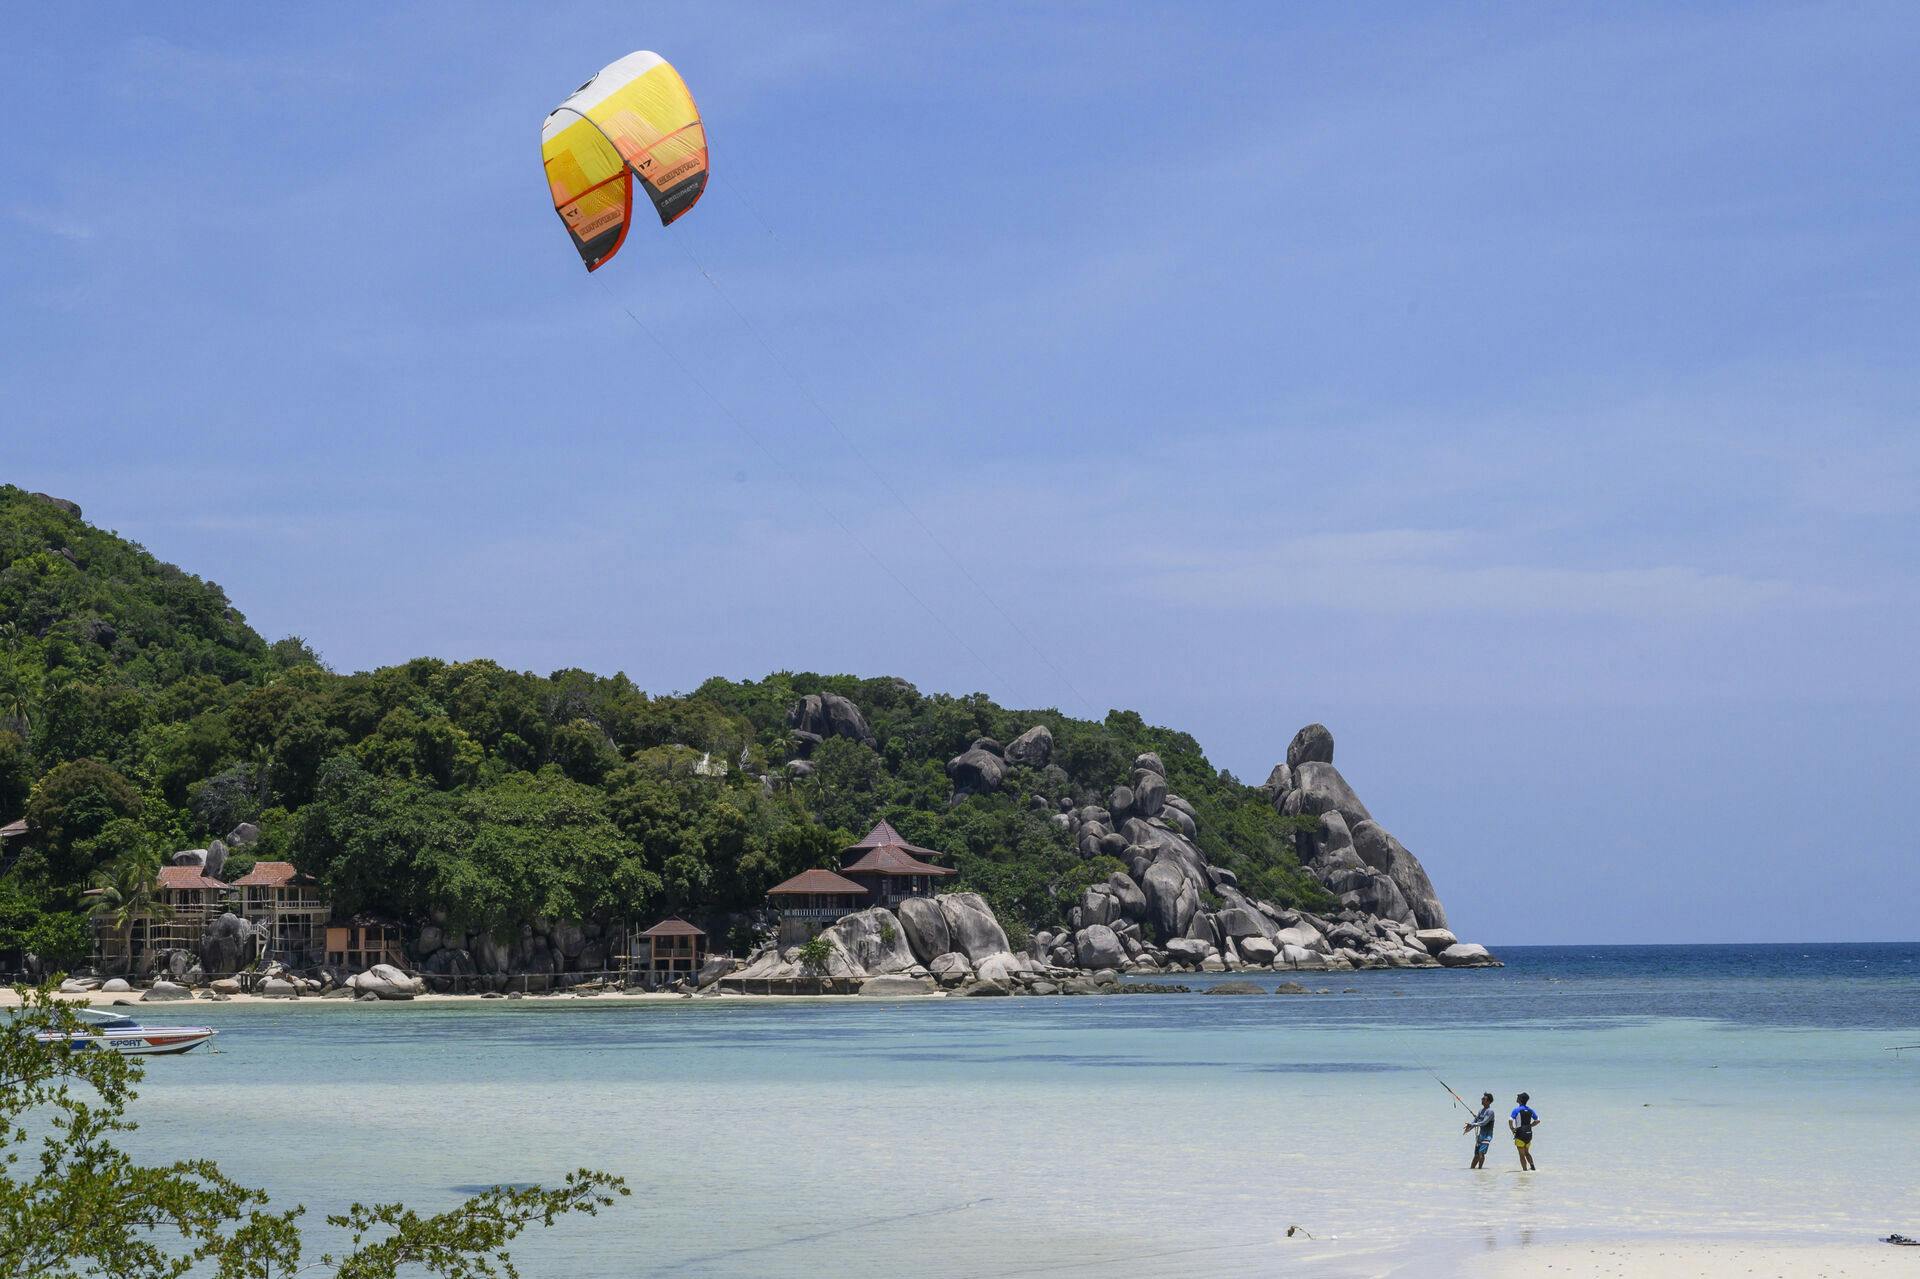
{"x":1384,"y":853}
{"x":1241,"y":921}
{"x":1097,"y":906}
{"x":1097,"y":947}
{"x":1333,"y":835}
{"x":189,"y":857}
{"x":1149,"y":761}
{"x":227,"y":944}
{"x":568,"y":937}
{"x":1436,"y":939}
{"x":384,"y":981}
{"x":1302,"y":935}
{"x":873,"y":940}
{"x":1127,"y":896}
{"x":973,"y":930}
{"x":165,"y":991}
{"x":1005,"y":968}
{"x":1257,"y":950}
{"x":216,"y":858}
{"x":493,"y":955}
{"x":1311,"y":745}
{"x":925,"y":925}
{"x":976,"y":771}
{"x":895,"y":986}
{"x":114,"y":986}
{"x":1171,"y":899}
{"x":829,"y":715}
{"x":1189,"y":951}
{"x":1323,"y":790}
{"x":1279,"y":781}
{"x":242,"y":835}
{"x":1149,"y":792}
{"x":951,"y":968}
{"x":450,"y":961}
{"x":1033,"y":748}
{"x":1466,"y":955}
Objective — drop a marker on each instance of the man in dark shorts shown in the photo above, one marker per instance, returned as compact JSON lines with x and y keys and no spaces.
{"x":1484,"y":1138}
{"x":1522,"y":1122}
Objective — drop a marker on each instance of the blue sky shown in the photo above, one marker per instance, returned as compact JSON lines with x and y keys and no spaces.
{"x":1527,"y":392}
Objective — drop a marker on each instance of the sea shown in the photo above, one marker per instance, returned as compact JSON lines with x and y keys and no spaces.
{"x":1743,"y":1093}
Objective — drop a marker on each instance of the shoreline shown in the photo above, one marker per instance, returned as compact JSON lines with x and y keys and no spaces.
{"x":1688,"y":1257}
{"x":10,"y":999}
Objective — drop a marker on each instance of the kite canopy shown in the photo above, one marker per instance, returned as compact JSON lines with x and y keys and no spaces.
{"x":635,"y":119}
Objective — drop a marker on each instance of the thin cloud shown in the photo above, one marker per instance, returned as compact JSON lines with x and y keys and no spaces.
{"x":1414,"y":571}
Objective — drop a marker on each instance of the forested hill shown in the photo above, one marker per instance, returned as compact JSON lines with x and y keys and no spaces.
{"x":140,"y":714}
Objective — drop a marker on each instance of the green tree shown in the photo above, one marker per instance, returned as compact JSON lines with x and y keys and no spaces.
{"x":83,"y":1207}
{"x":69,"y":809}
{"x":16,"y":776}
{"x":128,"y":890}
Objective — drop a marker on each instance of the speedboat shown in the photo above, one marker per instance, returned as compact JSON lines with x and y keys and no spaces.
{"x":115,"y":1032}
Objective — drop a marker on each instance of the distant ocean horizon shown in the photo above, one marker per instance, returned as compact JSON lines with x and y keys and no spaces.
{"x":1702,"y":1090}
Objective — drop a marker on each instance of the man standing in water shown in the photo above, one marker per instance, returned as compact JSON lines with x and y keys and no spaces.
{"x":1522,"y":1122}
{"x":1484,"y":1138}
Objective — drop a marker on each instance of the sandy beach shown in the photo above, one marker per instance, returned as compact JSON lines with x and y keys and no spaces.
{"x":10,"y":998}
{"x":1682,"y":1259}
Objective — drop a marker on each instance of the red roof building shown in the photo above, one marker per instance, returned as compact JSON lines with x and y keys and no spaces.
{"x":675,"y":949}
{"x":883,"y":869}
{"x":189,"y":879}
{"x":291,"y":909}
{"x":811,"y":901}
{"x":889,"y":868}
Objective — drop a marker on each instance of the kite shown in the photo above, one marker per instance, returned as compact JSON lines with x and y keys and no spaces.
{"x":634,"y":120}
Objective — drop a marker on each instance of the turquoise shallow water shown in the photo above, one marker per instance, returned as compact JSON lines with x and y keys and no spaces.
{"x":1738,"y":1092}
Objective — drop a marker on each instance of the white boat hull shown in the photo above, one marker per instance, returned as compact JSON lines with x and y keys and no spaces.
{"x":136,"y":1041}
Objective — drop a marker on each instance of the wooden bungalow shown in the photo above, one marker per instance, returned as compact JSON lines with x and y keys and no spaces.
{"x":289,"y":907}
{"x":675,"y":950}
{"x":812,"y":901}
{"x":890,"y":869}
{"x":362,"y":942}
{"x":191,"y":898}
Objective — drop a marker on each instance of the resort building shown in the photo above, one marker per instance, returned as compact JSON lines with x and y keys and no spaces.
{"x":362,"y":942}
{"x":812,"y":901}
{"x":889,"y":868}
{"x":188,"y":899}
{"x":289,"y":908}
{"x":670,"y":951}
{"x":883,"y":869}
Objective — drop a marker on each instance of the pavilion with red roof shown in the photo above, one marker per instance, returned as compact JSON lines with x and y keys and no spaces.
{"x":883,"y":869}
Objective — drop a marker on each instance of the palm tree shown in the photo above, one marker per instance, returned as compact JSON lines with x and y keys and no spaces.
{"x":17,"y":695}
{"x":129,"y":891}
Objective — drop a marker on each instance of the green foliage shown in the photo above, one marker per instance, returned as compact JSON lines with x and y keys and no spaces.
{"x":137,"y":708}
{"x":71,"y":811}
{"x":82,"y":1207}
{"x":814,"y":955}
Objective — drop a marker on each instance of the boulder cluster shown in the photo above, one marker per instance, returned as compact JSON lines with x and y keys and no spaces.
{"x":950,"y":942}
{"x":552,"y":953}
{"x":1170,"y":909}
{"x":815,"y":718}
{"x":1350,"y":853}
{"x":982,"y":767}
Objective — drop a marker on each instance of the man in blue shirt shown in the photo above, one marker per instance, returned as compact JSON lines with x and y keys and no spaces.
{"x":1484,"y":1138}
{"x":1521,"y":1123}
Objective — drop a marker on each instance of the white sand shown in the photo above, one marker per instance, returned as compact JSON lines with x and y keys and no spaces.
{"x":9,"y":998}
{"x":1681,"y":1259}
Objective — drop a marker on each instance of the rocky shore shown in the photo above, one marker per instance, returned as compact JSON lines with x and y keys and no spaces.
{"x":1168,"y":911}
